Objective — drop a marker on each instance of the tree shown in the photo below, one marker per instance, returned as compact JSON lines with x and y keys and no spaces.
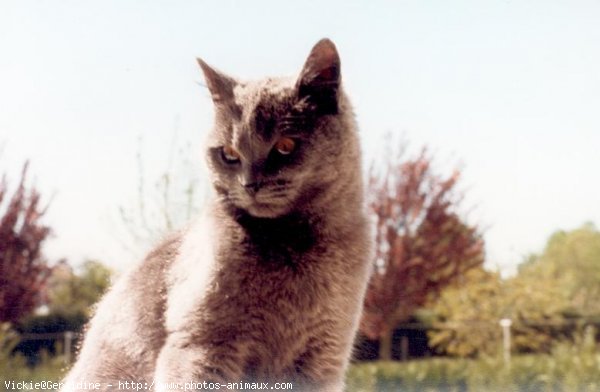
{"x":572,"y":259}
{"x":552,"y":297}
{"x":422,"y":245}
{"x":76,"y":293}
{"x":23,"y":269}
{"x":468,"y":314}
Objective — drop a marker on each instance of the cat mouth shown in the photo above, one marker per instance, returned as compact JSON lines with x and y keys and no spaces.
{"x":264,"y":209}
{"x":266,"y":202}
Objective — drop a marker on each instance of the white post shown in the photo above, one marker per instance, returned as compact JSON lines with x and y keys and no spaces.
{"x":505,"y":323}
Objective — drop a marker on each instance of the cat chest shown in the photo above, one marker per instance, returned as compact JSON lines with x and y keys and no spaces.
{"x":271,"y":298}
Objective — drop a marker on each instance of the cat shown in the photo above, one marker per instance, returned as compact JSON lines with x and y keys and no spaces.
{"x":268,"y":284}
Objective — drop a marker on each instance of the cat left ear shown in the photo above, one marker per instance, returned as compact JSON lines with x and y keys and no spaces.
{"x":319,"y":80}
{"x":220,"y":86}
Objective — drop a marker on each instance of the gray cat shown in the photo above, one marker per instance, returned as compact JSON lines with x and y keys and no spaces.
{"x":268,"y":285}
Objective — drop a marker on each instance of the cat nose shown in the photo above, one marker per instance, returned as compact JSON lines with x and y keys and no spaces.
{"x":252,"y":188}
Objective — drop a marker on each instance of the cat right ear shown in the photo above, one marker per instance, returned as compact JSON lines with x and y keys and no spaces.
{"x":319,"y":80}
{"x":220,"y":86}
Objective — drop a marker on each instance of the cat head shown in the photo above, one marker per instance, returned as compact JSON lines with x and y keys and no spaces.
{"x":278,"y":143}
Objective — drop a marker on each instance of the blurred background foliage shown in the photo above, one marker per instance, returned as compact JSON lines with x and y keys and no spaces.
{"x":553,"y":297}
{"x":71,"y":292}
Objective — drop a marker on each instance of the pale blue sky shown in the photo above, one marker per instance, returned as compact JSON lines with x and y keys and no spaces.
{"x":508,"y":89}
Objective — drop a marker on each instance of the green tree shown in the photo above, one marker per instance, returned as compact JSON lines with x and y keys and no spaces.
{"x":552,"y":294}
{"x":572,"y":259}
{"x":468,"y":314}
{"x":76,"y":293}
{"x":539,"y":309}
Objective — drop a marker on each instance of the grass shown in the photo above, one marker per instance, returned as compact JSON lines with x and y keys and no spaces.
{"x":15,"y":369}
{"x":567,"y":369}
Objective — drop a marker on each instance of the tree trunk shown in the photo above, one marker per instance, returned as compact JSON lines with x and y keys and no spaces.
{"x":404,"y":348}
{"x":385,"y":344}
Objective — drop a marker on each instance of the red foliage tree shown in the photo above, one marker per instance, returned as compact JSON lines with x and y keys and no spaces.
{"x":23,"y":270}
{"x":421,"y":243}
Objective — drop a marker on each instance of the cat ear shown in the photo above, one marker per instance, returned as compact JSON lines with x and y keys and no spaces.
{"x":220,"y":86}
{"x":319,"y":80}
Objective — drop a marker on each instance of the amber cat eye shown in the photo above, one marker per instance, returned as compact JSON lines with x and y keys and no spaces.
{"x":285,"y":145}
{"x":230,"y":155}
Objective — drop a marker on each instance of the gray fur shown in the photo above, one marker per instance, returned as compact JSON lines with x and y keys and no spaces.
{"x":268,"y":284}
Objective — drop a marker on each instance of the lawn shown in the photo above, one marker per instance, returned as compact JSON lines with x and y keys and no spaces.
{"x":567,"y":369}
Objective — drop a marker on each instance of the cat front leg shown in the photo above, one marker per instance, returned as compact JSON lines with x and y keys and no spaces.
{"x":187,"y":365}
{"x":322,"y":365}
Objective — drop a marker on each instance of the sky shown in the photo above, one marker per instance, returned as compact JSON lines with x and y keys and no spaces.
{"x":509,"y":91}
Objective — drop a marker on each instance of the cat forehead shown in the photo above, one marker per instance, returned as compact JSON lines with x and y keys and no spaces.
{"x":273,"y":86}
{"x":266,"y":95}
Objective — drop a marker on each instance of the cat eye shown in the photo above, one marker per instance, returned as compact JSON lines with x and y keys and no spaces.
{"x":285,"y":145}
{"x":230,"y":155}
